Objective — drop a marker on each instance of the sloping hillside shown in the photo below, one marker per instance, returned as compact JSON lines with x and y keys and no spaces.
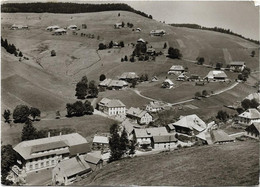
{"x":222,"y":165}
{"x":78,"y":56}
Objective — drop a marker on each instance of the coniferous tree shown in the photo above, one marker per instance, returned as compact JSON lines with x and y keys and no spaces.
{"x":6,"y":115}
{"x":114,"y":144}
{"x":29,"y":132}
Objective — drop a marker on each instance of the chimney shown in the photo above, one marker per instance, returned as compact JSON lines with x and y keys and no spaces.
{"x":60,"y":133}
{"x":49,"y":134}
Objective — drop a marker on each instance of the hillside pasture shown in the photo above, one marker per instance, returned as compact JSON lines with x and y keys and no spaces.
{"x":231,"y":164}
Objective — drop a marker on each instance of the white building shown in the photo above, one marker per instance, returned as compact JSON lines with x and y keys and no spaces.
{"x":167,"y":83}
{"x":112,"y":107}
{"x":72,"y":27}
{"x":53,"y":27}
{"x":237,"y":66}
{"x":216,"y":75}
{"x":140,"y":116}
{"x":248,"y":117}
{"x":155,"y":106}
{"x":45,"y":153}
{"x":164,"y":142}
{"x":176,"y":69}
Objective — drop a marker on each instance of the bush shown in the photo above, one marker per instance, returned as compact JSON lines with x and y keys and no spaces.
{"x":200,"y":60}
{"x":102,"y":46}
{"x":222,"y":115}
{"x":53,"y":53}
{"x":174,"y":53}
{"x":102,"y":77}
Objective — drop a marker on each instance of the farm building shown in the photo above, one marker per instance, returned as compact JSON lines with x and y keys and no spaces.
{"x":60,"y":31}
{"x":255,"y":96}
{"x":164,"y":142}
{"x":72,"y":27}
{"x":94,"y":160}
{"x":216,"y":75}
{"x":100,"y":142}
{"x":113,"y":84}
{"x":219,"y":137}
{"x":67,"y":171}
{"x":45,"y":153}
{"x":248,"y":117}
{"x":253,"y":130}
{"x":189,"y":125}
{"x":155,"y":106}
{"x":129,"y":76}
{"x":167,"y":83}
{"x":154,"y":79}
{"x":118,"y":26}
{"x":140,"y":40}
{"x":53,"y":27}
{"x":144,"y":136}
{"x":140,"y":116}
{"x":182,"y":77}
{"x":111,"y":107}
{"x":138,"y":30}
{"x":237,"y":66}
{"x":19,"y":27}
{"x":157,"y":32}
{"x":129,"y":128}
{"x":194,"y":77}
{"x":176,"y":69}
{"x":150,"y":51}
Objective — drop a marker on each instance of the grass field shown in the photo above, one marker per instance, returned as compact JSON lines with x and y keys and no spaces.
{"x":231,"y":164}
{"x":87,"y":126}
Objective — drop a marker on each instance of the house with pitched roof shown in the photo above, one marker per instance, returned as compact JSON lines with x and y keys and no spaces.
{"x":220,"y":137}
{"x":138,"y":115}
{"x":118,"y":25}
{"x":100,"y":143}
{"x":167,"y":83}
{"x":157,"y":32}
{"x":182,"y":77}
{"x":255,"y":96}
{"x":253,"y":130}
{"x":176,"y":70}
{"x":237,"y":66}
{"x":156,"y":106}
{"x":129,"y":128}
{"x":60,"y":31}
{"x":164,"y":142}
{"x":216,"y":75}
{"x":140,"y":40}
{"x":67,"y":171}
{"x":45,"y":153}
{"x":94,"y":160}
{"x":144,"y":136}
{"x":248,"y":117}
{"x":112,"y":107}
{"x":129,"y":76}
{"x":113,"y":84}
{"x":189,"y":125}
{"x":53,"y":27}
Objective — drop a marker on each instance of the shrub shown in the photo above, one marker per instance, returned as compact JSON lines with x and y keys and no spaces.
{"x":53,"y":53}
{"x":21,"y":113}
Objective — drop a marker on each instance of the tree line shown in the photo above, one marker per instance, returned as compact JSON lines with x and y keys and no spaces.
{"x":67,"y":8}
{"x":216,"y":29}
{"x":10,"y":48}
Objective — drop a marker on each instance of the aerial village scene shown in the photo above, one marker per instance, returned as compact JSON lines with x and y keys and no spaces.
{"x":130,"y":93}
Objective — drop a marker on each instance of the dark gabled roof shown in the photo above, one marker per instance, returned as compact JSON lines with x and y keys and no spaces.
{"x":164,"y":138}
{"x":48,"y":146}
{"x":256,"y":125}
{"x":93,"y":158}
{"x":220,"y":136}
{"x":80,"y":149}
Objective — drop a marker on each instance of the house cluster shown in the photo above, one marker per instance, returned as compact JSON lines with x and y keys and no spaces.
{"x":19,"y":27}
{"x":60,"y":31}
{"x":69,"y":156}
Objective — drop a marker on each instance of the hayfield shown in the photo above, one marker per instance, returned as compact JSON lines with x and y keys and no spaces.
{"x":87,"y":126}
{"x":231,"y":164}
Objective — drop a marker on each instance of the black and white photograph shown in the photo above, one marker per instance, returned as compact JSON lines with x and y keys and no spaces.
{"x":130,"y":93}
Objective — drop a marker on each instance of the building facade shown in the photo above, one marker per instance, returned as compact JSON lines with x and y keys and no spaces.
{"x":112,"y":107}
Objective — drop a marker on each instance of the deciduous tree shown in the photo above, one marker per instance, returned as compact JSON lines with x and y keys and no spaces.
{"x":21,"y":113}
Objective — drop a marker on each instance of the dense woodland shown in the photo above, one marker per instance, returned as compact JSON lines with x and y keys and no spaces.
{"x":216,"y":29}
{"x":67,"y":8}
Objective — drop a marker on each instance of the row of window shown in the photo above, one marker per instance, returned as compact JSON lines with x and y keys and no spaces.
{"x":41,"y":165}
{"x":52,"y":150}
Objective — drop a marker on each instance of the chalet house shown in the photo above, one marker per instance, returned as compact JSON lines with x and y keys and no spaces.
{"x":150,"y":51}
{"x":129,"y":128}
{"x":53,"y":27}
{"x":253,"y":130}
{"x":144,"y":136}
{"x":157,"y":32}
{"x":176,"y":69}
{"x":248,"y":117}
{"x":72,"y":27}
{"x":189,"y":125}
{"x":94,"y":160}
{"x":255,"y":96}
{"x":164,"y":142}
{"x":45,"y":153}
{"x":155,"y":106}
{"x":216,"y":75}
{"x":118,"y":26}
{"x":112,"y":107}
{"x":140,"y":116}
{"x":100,"y":143}
{"x":113,"y":84}
{"x":194,"y":77}
{"x":237,"y":66}
{"x":67,"y":171}
{"x":19,"y":27}
{"x":167,"y":84}
{"x":60,"y":31}
{"x":129,"y":76}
